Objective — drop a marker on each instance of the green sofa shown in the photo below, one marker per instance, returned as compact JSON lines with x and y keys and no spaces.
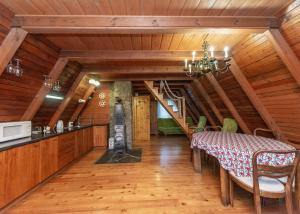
{"x":168,"y":126}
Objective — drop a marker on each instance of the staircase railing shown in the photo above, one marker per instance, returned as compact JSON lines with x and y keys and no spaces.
{"x":180,"y":101}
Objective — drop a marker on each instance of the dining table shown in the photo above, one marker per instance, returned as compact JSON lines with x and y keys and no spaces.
{"x":234,"y":152}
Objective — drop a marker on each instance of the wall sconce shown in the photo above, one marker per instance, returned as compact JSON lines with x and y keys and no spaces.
{"x":14,"y":69}
{"x":94,"y":82}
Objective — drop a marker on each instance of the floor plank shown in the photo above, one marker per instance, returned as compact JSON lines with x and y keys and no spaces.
{"x":164,"y":182}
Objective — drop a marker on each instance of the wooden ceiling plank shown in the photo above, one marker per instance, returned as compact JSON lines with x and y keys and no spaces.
{"x":285,"y":52}
{"x":10,"y":45}
{"x":222,"y":94}
{"x":197,"y":84}
{"x":66,"y":100}
{"x":80,"y":106}
{"x":43,"y":91}
{"x":65,"y":23}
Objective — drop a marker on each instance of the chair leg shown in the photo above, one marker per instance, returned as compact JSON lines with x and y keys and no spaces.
{"x":289,"y":201}
{"x":231,"y":192}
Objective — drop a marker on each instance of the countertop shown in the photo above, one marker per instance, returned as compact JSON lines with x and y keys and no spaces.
{"x":38,"y":137}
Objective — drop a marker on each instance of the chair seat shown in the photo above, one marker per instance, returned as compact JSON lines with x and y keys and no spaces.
{"x":265,"y":184}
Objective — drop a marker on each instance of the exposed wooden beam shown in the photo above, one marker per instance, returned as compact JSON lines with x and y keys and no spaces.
{"x":10,"y":45}
{"x":197,"y":84}
{"x":197,"y":101}
{"x":80,"y":106}
{"x":43,"y":91}
{"x":66,"y":100}
{"x":133,"y":54}
{"x":134,"y":69}
{"x":257,"y":103}
{"x":140,"y":76}
{"x":96,"y":24}
{"x":285,"y":52}
{"x":222,"y":94}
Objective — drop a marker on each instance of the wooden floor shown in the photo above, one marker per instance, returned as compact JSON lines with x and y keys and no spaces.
{"x":164,"y":182}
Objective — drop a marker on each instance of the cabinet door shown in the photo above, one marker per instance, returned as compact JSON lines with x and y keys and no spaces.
{"x":22,"y":171}
{"x":66,"y":149}
{"x":49,"y":157}
{"x":100,"y":136}
{"x":78,"y":142}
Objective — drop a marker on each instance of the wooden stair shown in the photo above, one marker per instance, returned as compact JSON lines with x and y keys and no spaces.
{"x":175,"y":114}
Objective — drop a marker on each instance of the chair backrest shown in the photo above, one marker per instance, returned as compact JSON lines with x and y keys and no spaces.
{"x":230,"y":125}
{"x":202,"y":122}
{"x":271,"y":171}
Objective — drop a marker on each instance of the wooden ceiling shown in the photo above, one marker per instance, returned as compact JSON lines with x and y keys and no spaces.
{"x":188,"y":41}
{"x":161,"y":39}
{"x":148,"y":7}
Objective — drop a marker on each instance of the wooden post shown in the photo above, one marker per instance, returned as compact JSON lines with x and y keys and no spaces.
{"x":228,"y":103}
{"x":80,"y":106}
{"x":200,"y":105}
{"x":197,"y":160}
{"x":39,"y":97}
{"x":285,"y":52}
{"x":10,"y":45}
{"x":205,"y":95}
{"x":249,"y":91}
{"x":66,"y":100}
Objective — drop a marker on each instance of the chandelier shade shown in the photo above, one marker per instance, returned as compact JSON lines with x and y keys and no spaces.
{"x":208,"y":63}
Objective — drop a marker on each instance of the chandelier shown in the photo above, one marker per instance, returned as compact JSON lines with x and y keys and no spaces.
{"x":208,"y":63}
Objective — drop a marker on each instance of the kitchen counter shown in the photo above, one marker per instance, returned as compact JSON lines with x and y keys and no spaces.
{"x":41,"y":136}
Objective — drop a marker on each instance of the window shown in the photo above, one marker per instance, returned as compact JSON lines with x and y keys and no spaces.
{"x":162,"y":112}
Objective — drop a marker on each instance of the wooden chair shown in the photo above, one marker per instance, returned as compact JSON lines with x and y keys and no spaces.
{"x":277,"y":136}
{"x":268,"y":181}
{"x":229,"y":125}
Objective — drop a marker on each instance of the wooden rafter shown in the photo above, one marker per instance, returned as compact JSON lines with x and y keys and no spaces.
{"x":257,"y":103}
{"x":137,"y":24}
{"x":80,"y":106}
{"x":43,"y":91}
{"x":197,"y":84}
{"x":132,"y":54}
{"x":200,"y":105}
{"x":10,"y":45}
{"x":285,"y":52}
{"x":222,"y":94}
{"x":66,"y":100}
{"x":194,"y":111}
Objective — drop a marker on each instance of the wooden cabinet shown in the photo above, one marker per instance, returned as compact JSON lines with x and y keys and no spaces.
{"x":49,"y":157}
{"x":24,"y":167}
{"x":88,"y":139}
{"x":20,"y":171}
{"x":66,"y":149}
{"x":100,"y":136}
{"x":3,"y":170}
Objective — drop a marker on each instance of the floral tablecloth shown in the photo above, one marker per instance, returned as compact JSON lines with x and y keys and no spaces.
{"x":234,"y":151}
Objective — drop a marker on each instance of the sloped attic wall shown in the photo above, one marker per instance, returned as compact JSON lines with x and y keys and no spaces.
{"x":49,"y":106}
{"x":37,"y":60}
{"x":269,"y":76}
{"x":38,"y":56}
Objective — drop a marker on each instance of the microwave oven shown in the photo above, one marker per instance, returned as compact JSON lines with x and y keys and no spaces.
{"x":14,"y":130}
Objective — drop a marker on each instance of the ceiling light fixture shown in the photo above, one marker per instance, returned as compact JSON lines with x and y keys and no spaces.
{"x":94,"y":82}
{"x":54,"y":97}
{"x":208,"y":63}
